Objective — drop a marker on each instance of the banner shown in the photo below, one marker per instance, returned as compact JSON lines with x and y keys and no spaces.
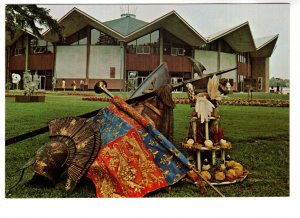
{"x":134,"y":158}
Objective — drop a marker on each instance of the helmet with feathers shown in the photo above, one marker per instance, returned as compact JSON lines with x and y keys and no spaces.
{"x":73,"y":146}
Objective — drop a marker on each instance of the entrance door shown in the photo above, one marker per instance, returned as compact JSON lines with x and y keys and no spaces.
{"x":140,"y":79}
{"x":42,"y":85}
{"x":175,"y":80}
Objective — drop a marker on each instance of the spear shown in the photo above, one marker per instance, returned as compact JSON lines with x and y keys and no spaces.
{"x":142,"y":97}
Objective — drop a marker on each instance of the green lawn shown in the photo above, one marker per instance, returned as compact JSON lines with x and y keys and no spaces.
{"x":244,"y":95}
{"x":260,"y":137}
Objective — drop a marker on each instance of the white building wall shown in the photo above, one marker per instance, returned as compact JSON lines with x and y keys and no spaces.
{"x":209,"y":59}
{"x":102,"y":58}
{"x":228,"y":61}
{"x":70,"y":62}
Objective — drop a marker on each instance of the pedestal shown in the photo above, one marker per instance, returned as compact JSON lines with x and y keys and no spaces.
{"x":26,"y":98}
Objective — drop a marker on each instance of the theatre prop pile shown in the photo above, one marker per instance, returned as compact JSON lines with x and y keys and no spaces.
{"x":127,"y":149}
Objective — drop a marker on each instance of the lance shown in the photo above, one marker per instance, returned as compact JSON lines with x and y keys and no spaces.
{"x":132,"y":100}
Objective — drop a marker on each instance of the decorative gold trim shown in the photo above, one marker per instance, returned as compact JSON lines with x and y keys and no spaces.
{"x":153,"y":108}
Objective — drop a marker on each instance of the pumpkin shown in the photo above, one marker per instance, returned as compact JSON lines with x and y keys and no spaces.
{"x":206,"y":175}
{"x":230,"y":164}
{"x":219,"y":175}
{"x":231,"y":174}
{"x":239,"y":170}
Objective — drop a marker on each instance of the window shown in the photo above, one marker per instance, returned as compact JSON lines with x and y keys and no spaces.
{"x":173,"y":51}
{"x":131,"y":47}
{"x":100,"y":38}
{"x":78,"y":38}
{"x":180,"y":51}
{"x":177,"y":51}
{"x":259,"y":83}
{"x":147,"y":44}
{"x":33,"y":42}
{"x":112,"y":72}
{"x":40,"y":50}
{"x":18,"y":51}
{"x":144,"y":40}
{"x":143,"y":49}
{"x":241,"y":58}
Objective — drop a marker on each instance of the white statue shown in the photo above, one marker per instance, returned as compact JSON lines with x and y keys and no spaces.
{"x":16,"y":78}
{"x":36,"y":81}
{"x":53,"y":83}
{"x":228,"y":86}
{"x":27,"y":83}
{"x":30,"y":84}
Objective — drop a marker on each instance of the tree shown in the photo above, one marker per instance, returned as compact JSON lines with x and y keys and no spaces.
{"x":279,"y":82}
{"x":29,"y":17}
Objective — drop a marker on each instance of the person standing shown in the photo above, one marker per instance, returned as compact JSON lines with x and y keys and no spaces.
{"x":228,"y":85}
{"x":81,"y":85}
{"x":74,"y":85}
{"x":63,"y":84}
{"x":53,"y":83}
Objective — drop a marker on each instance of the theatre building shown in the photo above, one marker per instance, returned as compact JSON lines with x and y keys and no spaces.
{"x":92,"y":50}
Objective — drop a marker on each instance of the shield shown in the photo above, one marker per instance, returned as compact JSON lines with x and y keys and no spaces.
{"x":159,"y":76}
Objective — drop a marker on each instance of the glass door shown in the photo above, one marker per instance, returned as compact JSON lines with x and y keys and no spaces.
{"x":42,"y":85}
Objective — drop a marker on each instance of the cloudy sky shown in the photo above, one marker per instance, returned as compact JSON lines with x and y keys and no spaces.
{"x":264,"y":19}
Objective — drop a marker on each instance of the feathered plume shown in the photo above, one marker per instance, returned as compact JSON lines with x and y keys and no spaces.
{"x":191,"y":92}
{"x":213,"y":88}
{"x":203,"y":108}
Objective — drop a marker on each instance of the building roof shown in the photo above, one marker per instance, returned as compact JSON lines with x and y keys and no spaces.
{"x":128,"y":28}
{"x":262,"y":41}
{"x":132,"y":29}
{"x":238,"y":37}
{"x":265,"y":46}
{"x":126,"y":24}
{"x":241,"y":40}
{"x":75,"y":20}
{"x":9,"y":41}
{"x":173,"y":23}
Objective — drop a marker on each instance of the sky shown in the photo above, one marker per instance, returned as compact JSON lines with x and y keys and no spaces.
{"x":264,"y":19}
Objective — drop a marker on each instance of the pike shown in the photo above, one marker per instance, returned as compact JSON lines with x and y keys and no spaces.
{"x":133,"y":99}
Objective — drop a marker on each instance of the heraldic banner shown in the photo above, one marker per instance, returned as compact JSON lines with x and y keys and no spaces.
{"x":134,"y":158}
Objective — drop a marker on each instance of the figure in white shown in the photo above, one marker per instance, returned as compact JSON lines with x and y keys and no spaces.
{"x":81,"y":85}
{"x":27,"y":83}
{"x":36,"y":82}
{"x":16,"y":78}
{"x":53,"y":83}
{"x":228,"y":86}
{"x":74,"y":85}
{"x":63,"y":84}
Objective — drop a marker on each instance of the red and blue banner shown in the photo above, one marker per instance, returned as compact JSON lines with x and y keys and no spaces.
{"x":134,"y":158}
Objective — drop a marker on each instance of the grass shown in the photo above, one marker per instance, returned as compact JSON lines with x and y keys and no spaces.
{"x":260,"y":137}
{"x":244,"y":95}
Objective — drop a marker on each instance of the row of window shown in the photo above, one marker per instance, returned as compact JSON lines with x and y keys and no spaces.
{"x":36,"y":50}
{"x":241,"y":58}
{"x":141,"y":49}
{"x":147,"y":44}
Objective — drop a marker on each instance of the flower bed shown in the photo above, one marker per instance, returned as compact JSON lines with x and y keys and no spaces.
{"x":103,"y":99}
{"x":256,"y":102}
{"x":238,"y":102}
